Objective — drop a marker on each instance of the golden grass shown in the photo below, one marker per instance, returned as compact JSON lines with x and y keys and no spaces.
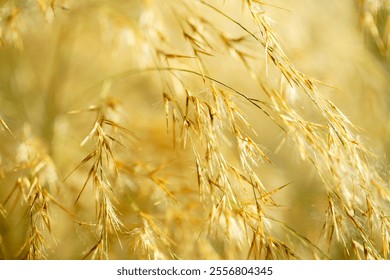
{"x":184,"y":129}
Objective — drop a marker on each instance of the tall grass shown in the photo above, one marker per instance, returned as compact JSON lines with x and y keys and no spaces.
{"x":194,"y":129}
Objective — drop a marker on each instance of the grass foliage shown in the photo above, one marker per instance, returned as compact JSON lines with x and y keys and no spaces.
{"x":194,"y":129}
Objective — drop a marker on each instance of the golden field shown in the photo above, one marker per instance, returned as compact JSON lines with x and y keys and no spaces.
{"x":194,"y":129}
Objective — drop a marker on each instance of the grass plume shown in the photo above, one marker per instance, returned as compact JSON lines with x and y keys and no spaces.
{"x":205,"y":135}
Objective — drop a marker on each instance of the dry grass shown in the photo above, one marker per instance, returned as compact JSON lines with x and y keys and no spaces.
{"x":184,"y":129}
